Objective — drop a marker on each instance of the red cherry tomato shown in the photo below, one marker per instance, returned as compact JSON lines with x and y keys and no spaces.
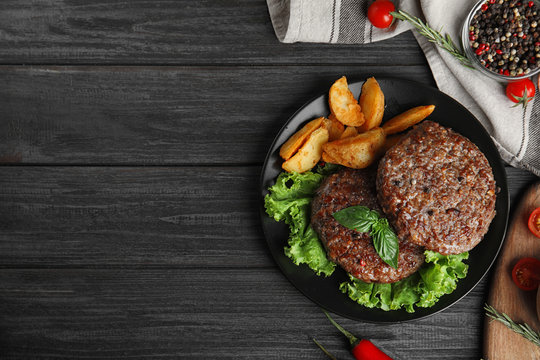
{"x":534,"y":222}
{"x":521,"y":91}
{"x":526,"y":273}
{"x":379,"y":13}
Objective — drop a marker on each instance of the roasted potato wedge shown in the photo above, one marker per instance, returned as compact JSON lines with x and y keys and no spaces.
{"x":299,"y":138}
{"x":407,"y":119}
{"x":343,"y":104}
{"x":372,"y":104}
{"x":334,"y":127}
{"x":358,"y":151}
{"x":327,"y":158}
{"x":309,"y":154}
{"x":349,"y":131}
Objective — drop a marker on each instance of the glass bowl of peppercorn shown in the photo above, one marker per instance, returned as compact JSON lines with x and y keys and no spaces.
{"x":502,"y":38}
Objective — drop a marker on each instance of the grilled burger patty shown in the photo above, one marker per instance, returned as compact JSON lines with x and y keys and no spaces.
{"x":437,"y":189}
{"x":350,"y":249}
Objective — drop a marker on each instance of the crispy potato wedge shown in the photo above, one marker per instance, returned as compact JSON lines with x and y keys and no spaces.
{"x":349,"y":131}
{"x":299,"y":138}
{"x":391,"y":141}
{"x":343,"y":104}
{"x":309,"y":154}
{"x":407,"y":119}
{"x":334,"y":127}
{"x":372,"y":104}
{"x":327,"y":158}
{"x":358,"y":151}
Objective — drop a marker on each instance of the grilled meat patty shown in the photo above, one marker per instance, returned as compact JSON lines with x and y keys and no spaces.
{"x":350,"y":249}
{"x":437,"y":189}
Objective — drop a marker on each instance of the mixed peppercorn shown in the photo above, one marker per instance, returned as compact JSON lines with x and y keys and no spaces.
{"x":505,"y":36}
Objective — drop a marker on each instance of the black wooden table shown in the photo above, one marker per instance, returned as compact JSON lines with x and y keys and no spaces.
{"x":132,"y":136}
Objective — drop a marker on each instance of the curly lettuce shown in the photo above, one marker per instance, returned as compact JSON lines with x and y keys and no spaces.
{"x":289,"y":200}
{"x":437,"y":277}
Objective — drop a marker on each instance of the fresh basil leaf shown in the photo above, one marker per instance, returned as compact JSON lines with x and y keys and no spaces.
{"x":362,"y":219}
{"x":358,"y":218}
{"x":386,"y":243}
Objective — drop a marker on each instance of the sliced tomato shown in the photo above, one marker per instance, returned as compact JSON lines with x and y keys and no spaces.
{"x":534,"y":222}
{"x":526,"y":273}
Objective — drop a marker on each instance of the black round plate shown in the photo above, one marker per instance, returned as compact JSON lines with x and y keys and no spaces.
{"x":400,"y":95}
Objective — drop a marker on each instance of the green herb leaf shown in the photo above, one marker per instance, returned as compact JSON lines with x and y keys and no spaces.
{"x":358,"y":218}
{"x":386,"y":243}
{"x":524,"y":329}
{"x":443,"y":41}
{"x":362,"y":219}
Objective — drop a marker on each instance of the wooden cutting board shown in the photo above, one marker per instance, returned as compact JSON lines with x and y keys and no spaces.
{"x":501,"y":343}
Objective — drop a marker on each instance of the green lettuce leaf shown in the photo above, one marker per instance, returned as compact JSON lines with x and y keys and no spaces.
{"x":440,"y":276}
{"x":289,"y":200}
{"x":437,"y":277}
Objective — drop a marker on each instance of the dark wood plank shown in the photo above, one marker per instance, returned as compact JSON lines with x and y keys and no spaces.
{"x":202,"y":314}
{"x":158,"y":115}
{"x":169,"y":32}
{"x":87,"y":216}
{"x":138,"y":217}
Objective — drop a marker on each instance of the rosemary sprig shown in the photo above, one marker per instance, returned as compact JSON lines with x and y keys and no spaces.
{"x":522,"y":329}
{"x":443,"y":41}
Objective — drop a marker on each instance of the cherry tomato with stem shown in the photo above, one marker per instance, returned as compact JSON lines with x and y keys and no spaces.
{"x":534,"y":222}
{"x":526,"y":273}
{"x":521,"y":91}
{"x":379,"y":13}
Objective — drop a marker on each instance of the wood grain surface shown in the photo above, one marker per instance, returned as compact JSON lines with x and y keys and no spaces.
{"x":158,"y":115}
{"x":500,"y":343}
{"x":169,"y":32}
{"x":132,"y":136}
{"x":167,"y":216}
{"x":199,"y":313}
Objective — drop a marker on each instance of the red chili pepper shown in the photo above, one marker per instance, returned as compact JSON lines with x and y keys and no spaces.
{"x":484,"y":7}
{"x":362,"y":349}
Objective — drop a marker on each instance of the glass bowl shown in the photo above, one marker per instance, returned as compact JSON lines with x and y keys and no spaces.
{"x":474,"y":59}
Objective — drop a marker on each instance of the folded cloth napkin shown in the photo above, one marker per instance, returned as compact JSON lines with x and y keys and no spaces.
{"x":515,"y":131}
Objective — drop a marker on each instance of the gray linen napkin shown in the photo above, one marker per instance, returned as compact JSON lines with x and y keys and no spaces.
{"x":515,"y":131}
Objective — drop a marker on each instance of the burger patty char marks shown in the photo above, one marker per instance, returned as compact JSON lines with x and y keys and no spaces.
{"x":437,"y":189}
{"x":354,"y":250}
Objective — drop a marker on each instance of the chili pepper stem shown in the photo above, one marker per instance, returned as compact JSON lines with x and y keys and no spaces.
{"x":352,"y":339}
{"x":324,"y":350}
